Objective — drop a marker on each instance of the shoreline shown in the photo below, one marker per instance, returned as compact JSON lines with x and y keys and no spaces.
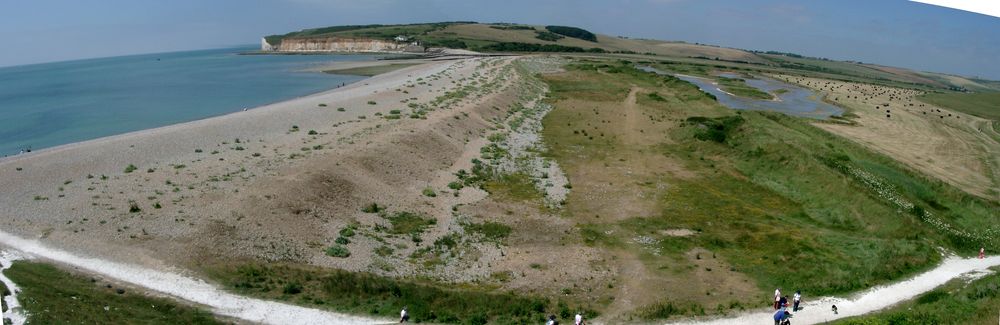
{"x":321,"y":69}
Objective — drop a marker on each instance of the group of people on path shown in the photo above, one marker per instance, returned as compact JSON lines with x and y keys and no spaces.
{"x":781,"y":314}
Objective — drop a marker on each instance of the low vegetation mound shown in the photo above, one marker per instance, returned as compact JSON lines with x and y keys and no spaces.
{"x":715,"y":129}
{"x":53,"y":296}
{"x":378,"y":295}
{"x":739,"y":87}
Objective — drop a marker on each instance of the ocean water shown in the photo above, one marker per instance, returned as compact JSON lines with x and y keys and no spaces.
{"x":46,"y":105}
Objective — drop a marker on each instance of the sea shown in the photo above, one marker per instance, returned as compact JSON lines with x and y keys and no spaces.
{"x":50,"y":104}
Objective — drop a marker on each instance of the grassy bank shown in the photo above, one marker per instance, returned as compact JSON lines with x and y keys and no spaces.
{"x":985,"y":105}
{"x":954,"y":303}
{"x":53,"y":296}
{"x":785,"y":203}
{"x":363,"y":293}
{"x":4,"y":292}
{"x":740,"y":88}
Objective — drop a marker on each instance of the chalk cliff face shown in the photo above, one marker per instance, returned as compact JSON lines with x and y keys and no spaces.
{"x":334,"y":44}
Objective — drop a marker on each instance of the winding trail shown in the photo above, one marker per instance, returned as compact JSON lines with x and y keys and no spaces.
{"x":818,"y":310}
{"x":186,"y":288}
{"x":270,"y":312}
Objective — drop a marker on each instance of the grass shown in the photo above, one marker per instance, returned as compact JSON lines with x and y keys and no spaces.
{"x":739,"y":87}
{"x":338,"y":250}
{"x":366,"y":293}
{"x":130,"y":168}
{"x":409,"y":223}
{"x":4,"y":292}
{"x":954,"y":303}
{"x":985,"y":105}
{"x":372,"y":70}
{"x":516,"y":186}
{"x":489,"y":230}
{"x":52,"y":296}
{"x":767,"y":192}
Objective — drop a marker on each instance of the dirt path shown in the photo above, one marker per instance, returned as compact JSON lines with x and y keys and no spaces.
{"x":186,"y":288}
{"x":818,"y":310}
{"x":632,"y":274}
{"x":632,"y":115}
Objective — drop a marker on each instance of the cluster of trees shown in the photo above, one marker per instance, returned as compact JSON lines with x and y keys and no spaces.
{"x":573,"y":32}
{"x":529,"y":47}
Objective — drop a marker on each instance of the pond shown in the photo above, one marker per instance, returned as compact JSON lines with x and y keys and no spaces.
{"x":791,"y":99}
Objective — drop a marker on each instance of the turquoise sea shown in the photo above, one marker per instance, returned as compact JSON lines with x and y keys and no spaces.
{"x":50,"y":104}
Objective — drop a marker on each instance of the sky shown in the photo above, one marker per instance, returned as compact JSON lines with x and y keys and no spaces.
{"x":890,"y":32}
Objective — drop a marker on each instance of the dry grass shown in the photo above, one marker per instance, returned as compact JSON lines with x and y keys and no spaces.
{"x":955,"y":147}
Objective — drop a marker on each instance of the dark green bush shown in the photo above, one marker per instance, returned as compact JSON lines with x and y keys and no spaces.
{"x":573,"y":32}
{"x":715,"y":129}
{"x":338,"y":251}
{"x":547,"y":36}
{"x":292,"y":288}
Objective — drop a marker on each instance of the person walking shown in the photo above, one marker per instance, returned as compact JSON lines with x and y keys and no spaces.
{"x":783,"y":303}
{"x":578,"y":320}
{"x":781,"y":317}
{"x":404,"y":316}
{"x":777,"y":297}
{"x":795,"y":300}
{"x":982,"y":252}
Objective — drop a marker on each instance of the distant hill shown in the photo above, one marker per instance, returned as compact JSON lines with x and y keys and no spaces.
{"x":508,"y":37}
{"x":488,"y":37}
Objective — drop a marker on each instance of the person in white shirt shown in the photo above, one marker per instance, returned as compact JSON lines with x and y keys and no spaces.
{"x":777,"y":298}
{"x":403,"y":316}
{"x":795,"y":300}
{"x":579,"y":319}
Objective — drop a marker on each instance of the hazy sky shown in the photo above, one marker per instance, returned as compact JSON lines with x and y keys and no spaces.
{"x":891,"y":32}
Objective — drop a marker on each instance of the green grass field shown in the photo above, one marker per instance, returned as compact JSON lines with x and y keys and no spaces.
{"x":985,"y":105}
{"x":771,"y":193}
{"x":53,"y":296}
